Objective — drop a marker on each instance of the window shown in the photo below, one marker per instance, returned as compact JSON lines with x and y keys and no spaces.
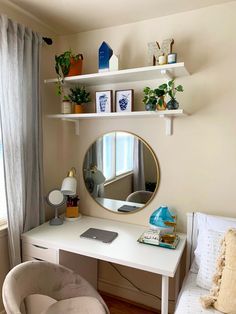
{"x":3,"y":213}
{"x":118,"y":154}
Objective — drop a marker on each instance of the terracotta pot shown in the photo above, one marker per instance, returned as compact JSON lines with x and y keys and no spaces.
{"x":163,"y":107}
{"x":76,"y":66}
{"x":79,"y":108}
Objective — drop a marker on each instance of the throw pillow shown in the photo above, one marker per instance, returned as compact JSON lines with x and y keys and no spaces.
{"x":223,"y":293}
{"x":210,"y":253}
{"x":210,"y":222}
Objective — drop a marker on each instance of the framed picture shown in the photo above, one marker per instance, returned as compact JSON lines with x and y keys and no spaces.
{"x":124,"y":100}
{"x":104,"y":101}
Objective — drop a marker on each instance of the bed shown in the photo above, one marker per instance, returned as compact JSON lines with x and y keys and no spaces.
{"x":189,"y":297}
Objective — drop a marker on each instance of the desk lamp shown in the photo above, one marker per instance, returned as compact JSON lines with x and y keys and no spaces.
{"x":69,"y":184}
{"x":68,"y":188}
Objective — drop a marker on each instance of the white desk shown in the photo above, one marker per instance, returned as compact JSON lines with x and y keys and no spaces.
{"x":45,"y":242}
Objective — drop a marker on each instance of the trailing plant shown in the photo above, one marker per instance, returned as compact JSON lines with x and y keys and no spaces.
{"x":62,"y":67}
{"x":79,"y":95}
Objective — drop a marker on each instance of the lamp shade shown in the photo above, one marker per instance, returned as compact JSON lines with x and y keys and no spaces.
{"x":98,"y":177}
{"x":69,"y":184}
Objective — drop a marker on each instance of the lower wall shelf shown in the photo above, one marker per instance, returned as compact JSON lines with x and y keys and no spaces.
{"x":169,"y":115}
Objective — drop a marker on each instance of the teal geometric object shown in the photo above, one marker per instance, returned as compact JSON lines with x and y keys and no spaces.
{"x":104,"y":54}
{"x":159,"y":217}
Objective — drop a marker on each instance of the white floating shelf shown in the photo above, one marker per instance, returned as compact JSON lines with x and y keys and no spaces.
{"x":167,"y":114}
{"x":169,"y":71}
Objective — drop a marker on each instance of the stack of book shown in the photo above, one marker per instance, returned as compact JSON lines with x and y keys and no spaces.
{"x":154,"y":237}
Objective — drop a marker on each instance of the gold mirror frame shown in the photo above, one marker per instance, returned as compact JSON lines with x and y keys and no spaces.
{"x":158,"y":174}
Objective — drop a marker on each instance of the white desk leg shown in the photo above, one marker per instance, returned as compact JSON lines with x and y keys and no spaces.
{"x":164,"y":294}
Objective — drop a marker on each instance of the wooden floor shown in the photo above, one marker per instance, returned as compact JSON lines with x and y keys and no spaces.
{"x":117,"y":306}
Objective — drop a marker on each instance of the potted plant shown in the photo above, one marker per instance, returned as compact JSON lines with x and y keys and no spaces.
{"x":152,"y":97}
{"x":67,"y":64}
{"x":171,"y":90}
{"x":79,"y":96}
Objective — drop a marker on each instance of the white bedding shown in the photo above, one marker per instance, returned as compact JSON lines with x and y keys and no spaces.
{"x":188,"y":300}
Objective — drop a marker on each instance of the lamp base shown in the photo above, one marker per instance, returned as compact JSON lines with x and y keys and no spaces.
{"x":56,"y":221}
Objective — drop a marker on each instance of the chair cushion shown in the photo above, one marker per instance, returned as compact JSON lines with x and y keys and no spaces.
{"x":78,"y":305}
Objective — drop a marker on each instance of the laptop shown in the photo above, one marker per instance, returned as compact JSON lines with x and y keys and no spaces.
{"x":100,"y":235}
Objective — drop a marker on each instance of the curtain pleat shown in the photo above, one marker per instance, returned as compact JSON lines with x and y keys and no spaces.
{"x":21,"y":126}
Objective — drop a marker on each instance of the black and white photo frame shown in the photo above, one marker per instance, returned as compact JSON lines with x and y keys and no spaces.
{"x":124,"y":100}
{"x":104,"y":101}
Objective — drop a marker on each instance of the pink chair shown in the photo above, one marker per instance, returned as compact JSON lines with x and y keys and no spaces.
{"x":74,"y":295}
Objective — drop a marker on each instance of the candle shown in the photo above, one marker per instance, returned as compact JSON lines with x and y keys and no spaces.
{"x":172,"y":58}
{"x":162,"y":59}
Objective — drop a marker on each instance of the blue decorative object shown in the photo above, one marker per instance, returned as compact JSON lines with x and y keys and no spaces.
{"x":104,"y":54}
{"x":161,"y":218}
{"x":103,"y":102}
{"x":123,"y":102}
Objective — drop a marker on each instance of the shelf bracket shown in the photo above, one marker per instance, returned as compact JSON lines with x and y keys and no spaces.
{"x":168,"y":124}
{"x":167,"y":74}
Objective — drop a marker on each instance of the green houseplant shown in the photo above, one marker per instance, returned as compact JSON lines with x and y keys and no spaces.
{"x":67,"y":64}
{"x":79,"y":96}
{"x":155,"y":98}
{"x":152,"y":97}
{"x":170,"y":90}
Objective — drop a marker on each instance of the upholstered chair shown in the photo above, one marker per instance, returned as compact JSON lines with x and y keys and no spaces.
{"x":139,"y":197}
{"x":74,"y":295}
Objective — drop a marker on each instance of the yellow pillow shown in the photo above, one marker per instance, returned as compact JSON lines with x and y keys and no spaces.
{"x":223,"y":294}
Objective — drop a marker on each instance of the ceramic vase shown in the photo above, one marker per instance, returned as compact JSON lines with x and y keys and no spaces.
{"x":172,"y":104}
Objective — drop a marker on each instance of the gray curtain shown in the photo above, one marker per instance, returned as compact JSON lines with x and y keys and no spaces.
{"x":94,"y":157}
{"x":138,"y":176}
{"x":20,"y":120}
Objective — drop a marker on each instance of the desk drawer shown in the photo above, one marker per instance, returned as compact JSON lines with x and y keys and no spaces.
{"x":40,"y":252}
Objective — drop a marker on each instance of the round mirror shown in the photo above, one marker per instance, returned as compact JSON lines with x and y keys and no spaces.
{"x":121,"y":172}
{"x":56,"y":198}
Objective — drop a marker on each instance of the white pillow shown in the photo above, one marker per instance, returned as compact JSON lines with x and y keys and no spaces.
{"x":209,"y":222}
{"x":209,"y":255}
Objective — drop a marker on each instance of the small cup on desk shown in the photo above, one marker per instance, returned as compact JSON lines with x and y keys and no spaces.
{"x":162,"y":60}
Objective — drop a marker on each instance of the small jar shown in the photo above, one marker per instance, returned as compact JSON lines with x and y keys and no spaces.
{"x":172,"y":57}
{"x":66,"y":107}
{"x":162,"y":60}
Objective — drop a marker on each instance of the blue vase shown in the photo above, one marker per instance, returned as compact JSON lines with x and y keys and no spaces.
{"x":159,"y":217}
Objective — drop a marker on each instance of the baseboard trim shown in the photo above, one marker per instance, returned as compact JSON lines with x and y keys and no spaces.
{"x":130,"y":293}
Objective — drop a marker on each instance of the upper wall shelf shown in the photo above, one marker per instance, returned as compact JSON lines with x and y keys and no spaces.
{"x":169,"y":71}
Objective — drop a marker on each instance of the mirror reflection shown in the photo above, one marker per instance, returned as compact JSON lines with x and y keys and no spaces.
{"x":121,"y":172}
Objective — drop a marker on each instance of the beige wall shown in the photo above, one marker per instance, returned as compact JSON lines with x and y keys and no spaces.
{"x":197,"y":163}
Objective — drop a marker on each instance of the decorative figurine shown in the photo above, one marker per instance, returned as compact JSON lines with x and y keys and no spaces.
{"x":155,"y":51}
{"x":113,"y":63}
{"x":104,"y":54}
